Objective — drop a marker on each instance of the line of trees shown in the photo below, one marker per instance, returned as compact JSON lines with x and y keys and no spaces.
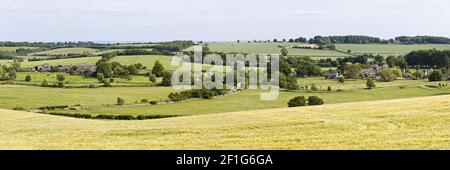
{"x":429,"y":58}
{"x":422,"y":40}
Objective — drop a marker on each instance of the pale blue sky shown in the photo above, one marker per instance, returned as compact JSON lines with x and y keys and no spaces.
{"x":217,"y":20}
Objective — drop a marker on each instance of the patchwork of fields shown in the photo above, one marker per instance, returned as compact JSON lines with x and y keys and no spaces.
{"x":402,"y":114}
{"x":271,"y":48}
{"x":386,"y":124}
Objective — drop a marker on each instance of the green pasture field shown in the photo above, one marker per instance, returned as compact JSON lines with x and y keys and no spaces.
{"x":32,"y":97}
{"x":389,"y":49}
{"x":80,"y":81}
{"x":414,"y":123}
{"x":250,"y":99}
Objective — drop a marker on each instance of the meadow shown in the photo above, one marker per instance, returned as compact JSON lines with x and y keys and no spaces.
{"x":31,"y":97}
{"x":414,"y":123}
{"x":389,"y":49}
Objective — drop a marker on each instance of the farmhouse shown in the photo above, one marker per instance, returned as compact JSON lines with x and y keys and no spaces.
{"x":371,"y":72}
{"x":331,"y":75}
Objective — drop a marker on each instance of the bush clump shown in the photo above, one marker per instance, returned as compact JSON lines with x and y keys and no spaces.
{"x":314,"y":100}
{"x":297,"y":101}
{"x":120,"y":101}
{"x":302,"y":101}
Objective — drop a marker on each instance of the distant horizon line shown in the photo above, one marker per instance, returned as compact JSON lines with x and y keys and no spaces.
{"x":242,"y":40}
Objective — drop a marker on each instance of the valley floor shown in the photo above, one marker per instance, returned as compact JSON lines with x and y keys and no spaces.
{"x":413,"y":123}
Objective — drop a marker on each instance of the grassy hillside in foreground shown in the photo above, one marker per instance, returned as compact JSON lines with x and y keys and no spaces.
{"x":415,"y":123}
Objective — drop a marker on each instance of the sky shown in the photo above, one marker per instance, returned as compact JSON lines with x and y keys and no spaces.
{"x":217,"y":20}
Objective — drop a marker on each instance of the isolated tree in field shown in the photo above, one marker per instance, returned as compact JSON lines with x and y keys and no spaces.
{"x":28,"y":78}
{"x":152,"y":78}
{"x":370,"y":84}
{"x":120,"y":101}
{"x":166,"y":78}
{"x":158,"y":69}
{"x":341,"y":79}
{"x":100,"y":77}
{"x":284,"y":51}
{"x":314,"y":100}
{"x":353,"y":70}
{"x":436,"y":75}
{"x":297,"y":101}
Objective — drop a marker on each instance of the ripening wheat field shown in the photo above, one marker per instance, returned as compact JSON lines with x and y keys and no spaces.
{"x":414,"y":123}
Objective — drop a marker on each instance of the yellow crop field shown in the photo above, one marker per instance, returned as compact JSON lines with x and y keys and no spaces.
{"x":413,"y":123}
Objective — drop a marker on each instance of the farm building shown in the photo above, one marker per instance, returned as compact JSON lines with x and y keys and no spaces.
{"x":331,"y":75}
{"x":42,"y":68}
{"x":72,"y":69}
{"x":372,"y":71}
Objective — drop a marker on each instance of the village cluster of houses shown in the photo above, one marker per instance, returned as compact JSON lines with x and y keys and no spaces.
{"x":81,"y":69}
{"x":372,"y":72}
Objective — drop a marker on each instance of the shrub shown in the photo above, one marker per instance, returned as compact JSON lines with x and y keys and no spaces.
{"x":104,"y":117}
{"x":370,"y":83}
{"x":341,"y":79}
{"x":291,"y":83}
{"x":92,"y":85}
{"x":53,"y":107}
{"x":436,"y":75}
{"x":153,"y":102}
{"x":166,"y":79}
{"x":152,"y":78}
{"x":61,"y":84}
{"x":60,"y":77}
{"x":106,"y":84}
{"x":44,"y":83}
{"x":419,"y":74}
{"x":144,"y":100}
{"x":120,"y":101}
{"x":100,"y":77}
{"x":329,"y":88}
{"x":19,"y":108}
{"x":386,"y":75}
{"x":28,"y":78}
{"x":297,"y":101}
{"x":314,"y":87}
{"x":112,"y":80}
{"x":397,"y":72}
{"x":314,"y":100}
{"x":124,"y":117}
